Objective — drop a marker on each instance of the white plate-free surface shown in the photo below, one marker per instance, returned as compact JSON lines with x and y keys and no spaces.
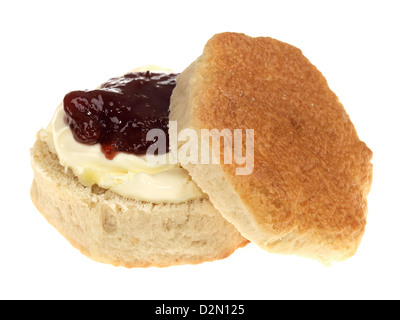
{"x":51,"y":47}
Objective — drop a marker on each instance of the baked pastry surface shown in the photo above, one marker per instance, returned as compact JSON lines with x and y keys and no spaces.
{"x":112,"y":229}
{"x":307,"y":192}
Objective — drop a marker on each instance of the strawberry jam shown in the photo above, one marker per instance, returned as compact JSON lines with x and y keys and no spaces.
{"x":119,"y":114}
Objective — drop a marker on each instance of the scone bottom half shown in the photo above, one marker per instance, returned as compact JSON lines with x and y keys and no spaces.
{"x":123,"y":232}
{"x":112,"y":226}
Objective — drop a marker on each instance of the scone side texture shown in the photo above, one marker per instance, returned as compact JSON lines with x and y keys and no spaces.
{"x":123,"y":232}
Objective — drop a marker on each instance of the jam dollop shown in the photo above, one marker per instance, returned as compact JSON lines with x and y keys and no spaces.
{"x":119,"y":114}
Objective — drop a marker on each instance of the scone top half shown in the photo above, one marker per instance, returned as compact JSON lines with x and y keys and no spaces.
{"x":306,"y":194}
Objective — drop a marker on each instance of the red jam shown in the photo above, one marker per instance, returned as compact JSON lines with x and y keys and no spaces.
{"x":119,"y":114}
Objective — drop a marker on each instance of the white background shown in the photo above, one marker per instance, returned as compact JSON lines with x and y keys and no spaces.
{"x":48,"y":48}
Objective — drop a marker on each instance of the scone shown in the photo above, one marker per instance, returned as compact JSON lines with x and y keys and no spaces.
{"x":114,"y":206}
{"x":306,"y":191}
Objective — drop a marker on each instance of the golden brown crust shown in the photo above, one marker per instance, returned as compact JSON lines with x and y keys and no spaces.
{"x":311,"y":172}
